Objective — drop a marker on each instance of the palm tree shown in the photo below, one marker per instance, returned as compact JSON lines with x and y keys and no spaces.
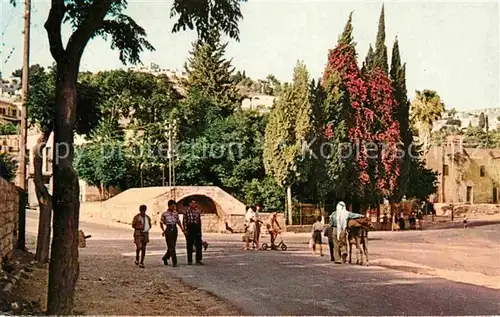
{"x":426,"y":108}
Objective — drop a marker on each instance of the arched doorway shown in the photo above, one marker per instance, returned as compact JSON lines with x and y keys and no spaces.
{"x":212,"y":214}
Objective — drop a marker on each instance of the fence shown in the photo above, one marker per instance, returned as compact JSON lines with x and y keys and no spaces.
{"x":305,"y":214}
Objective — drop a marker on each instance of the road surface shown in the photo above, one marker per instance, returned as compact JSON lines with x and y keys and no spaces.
{"x":295,"y":283}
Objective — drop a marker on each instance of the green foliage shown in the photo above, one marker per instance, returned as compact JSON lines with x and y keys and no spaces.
{"x":211,"y":74}
{"x":41,"y":101}
{"x":289,"y":127}
{"x":402,"y":115}
{"x":426,"y":108}
{"x":330,"y":118}
{"x":423,"y":181}
{"x":369,"y":61}
{"x":206,"y":16}
{"x":8,"y":129}
{"x":380,"y":59}
{"x":8,"y":166}
{"x":103,"y":164}
{"x":228,"y":154}
{"x":455,"y":122}
{"x":346,"y":36}
{"x":266,"y":192}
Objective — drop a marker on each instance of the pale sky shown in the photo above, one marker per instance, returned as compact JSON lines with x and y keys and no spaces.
{"x":450,"y":47}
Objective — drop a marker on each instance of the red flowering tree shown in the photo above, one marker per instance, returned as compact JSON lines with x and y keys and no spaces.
{"x":359,"y":118}
{"x":384,"y":165}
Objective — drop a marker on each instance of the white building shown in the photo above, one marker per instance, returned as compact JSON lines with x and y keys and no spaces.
{"x":262,"y":103}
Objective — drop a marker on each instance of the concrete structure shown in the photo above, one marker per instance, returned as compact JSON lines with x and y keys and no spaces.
{"x":9,"y":219}
{"x":467,"y":175}
{"x":217,"y":206}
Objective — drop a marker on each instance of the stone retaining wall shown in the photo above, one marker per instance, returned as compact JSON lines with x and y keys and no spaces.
{"x":9,"y":218}
{"x":460,"y":210}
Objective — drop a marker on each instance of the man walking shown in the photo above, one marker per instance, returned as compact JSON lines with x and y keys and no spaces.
{"x":192,"y":227}
{"x":141,"y":224}
{"x":168,"y":222}
{"x":338,"y":222}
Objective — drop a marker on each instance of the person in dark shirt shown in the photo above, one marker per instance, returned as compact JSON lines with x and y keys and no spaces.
{"x":192,"y":227}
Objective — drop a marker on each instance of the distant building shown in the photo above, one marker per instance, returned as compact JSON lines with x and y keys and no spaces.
{"x":470,"y":118}
{"x":154,"y":69}
{"x":262,"y":103}
{"x":9,"y":112}
{"x":467,"y":175}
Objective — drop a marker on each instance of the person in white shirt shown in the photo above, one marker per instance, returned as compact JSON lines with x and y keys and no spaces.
{"x":317,"y":230}
{"x":249,"y":227}
{"x":141,"y":224}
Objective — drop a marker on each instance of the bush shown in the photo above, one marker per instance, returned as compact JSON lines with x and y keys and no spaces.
{"x":8,"y":129}
{"x":8,"y":167}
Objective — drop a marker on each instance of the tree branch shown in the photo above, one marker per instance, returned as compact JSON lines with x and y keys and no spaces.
{"x":41,"y":190}
{"x":87,"y":29}
{"x":53,"y":27}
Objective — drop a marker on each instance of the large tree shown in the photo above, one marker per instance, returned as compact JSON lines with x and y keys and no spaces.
{"x":41,"y":105}
{"x":289,"y":128}
{"x":383,"y":163}
{"x":210,"y":73}
{"x":402,"y":115}
{"x":88,"y":20}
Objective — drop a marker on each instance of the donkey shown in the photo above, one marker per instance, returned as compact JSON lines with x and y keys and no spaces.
{"x":357,"y":234}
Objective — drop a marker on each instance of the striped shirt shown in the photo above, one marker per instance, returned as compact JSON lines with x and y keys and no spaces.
{"x":169,"y":218}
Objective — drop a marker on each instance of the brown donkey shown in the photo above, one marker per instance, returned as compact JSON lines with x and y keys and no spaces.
{"x":357,"y":234}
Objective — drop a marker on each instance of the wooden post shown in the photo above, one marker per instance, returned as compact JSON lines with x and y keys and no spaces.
{"x":22,"y":180}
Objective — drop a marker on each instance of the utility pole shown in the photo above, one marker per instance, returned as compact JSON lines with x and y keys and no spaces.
{"x":22,"y":179}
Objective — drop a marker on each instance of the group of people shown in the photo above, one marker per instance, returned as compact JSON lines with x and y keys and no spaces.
{"x":336,"y":233}
{"x":253,"y":228}
{"x":169,"y":221}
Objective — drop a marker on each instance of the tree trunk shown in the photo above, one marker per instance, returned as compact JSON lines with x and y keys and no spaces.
{"x":99,"y":189}
{"x":289,"y":203}
{"x":64,"y":266}
{"x":44,"y":201}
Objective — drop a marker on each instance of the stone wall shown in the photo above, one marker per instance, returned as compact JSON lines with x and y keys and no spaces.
{"x":9,"y":218}
{"x":460,"y":210}
{"x":470,"y":176}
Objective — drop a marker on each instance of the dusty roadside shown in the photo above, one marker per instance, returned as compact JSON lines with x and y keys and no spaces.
{"x":110,"y":285}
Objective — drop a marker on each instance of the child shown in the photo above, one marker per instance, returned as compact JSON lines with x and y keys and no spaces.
{"x":465,"y":221}
{"x":317,"y":230}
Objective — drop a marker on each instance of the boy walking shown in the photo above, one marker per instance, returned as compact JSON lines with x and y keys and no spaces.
{"x":141,"y":224}
{"x":169,"y":221}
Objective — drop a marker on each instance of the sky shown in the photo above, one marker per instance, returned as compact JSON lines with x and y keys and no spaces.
{"x":450,"y":47}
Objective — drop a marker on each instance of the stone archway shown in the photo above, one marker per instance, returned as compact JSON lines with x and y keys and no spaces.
{"x":212,"y":214}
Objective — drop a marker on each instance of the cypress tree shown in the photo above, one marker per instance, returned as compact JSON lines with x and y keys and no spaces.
{"x":402,"y":115}
{"x":346,"y":36}
{"x":369,"y":61}
{"x":380,"y":59}
{"x":211,"y":74}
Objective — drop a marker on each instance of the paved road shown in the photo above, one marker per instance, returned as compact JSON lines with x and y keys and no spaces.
{"x":294,"y":283}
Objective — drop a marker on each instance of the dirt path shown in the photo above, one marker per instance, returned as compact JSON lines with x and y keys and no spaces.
{"x":112,"y":285}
